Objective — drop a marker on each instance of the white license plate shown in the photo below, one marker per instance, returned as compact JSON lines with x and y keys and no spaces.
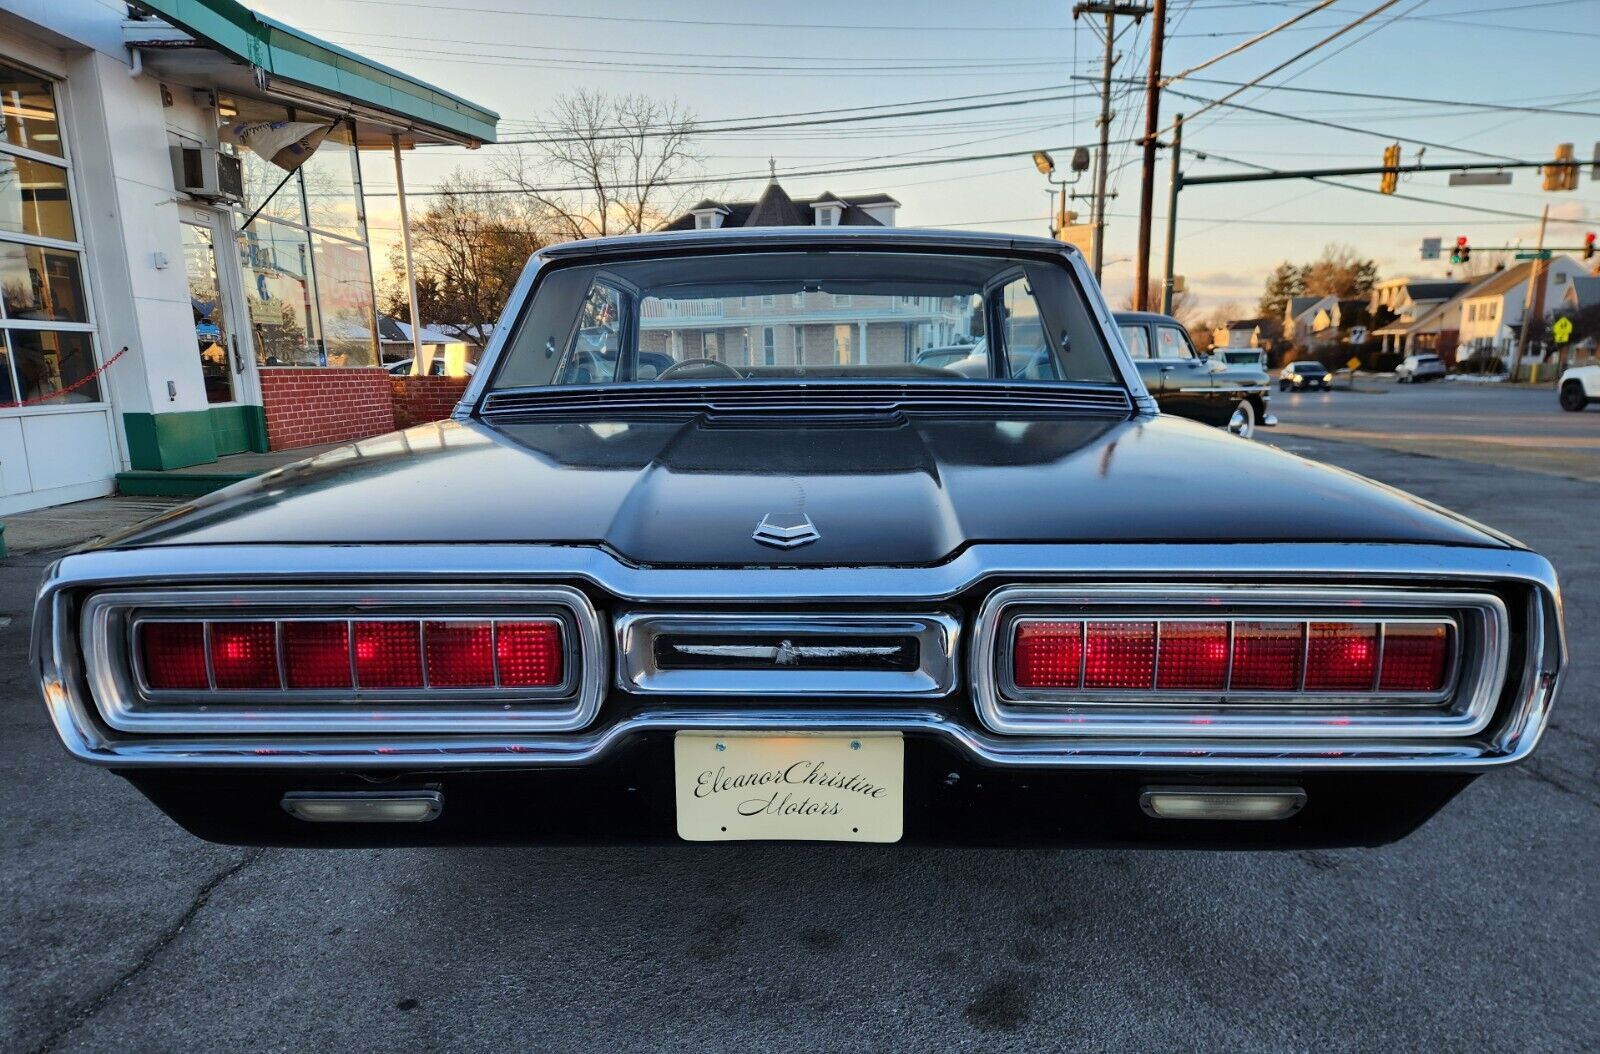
{"x":824,"y":787}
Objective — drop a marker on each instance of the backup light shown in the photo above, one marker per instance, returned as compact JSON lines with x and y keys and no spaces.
{"x":1222,"y":803}
{"x":364,"y":806}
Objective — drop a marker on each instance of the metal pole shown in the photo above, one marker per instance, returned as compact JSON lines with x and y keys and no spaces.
{"x":411,"y":271}
{"x":1174,"y":184}
{"x":1147,"y":181}
{"x":1535,"y":274}
{"x":1102,"y":168}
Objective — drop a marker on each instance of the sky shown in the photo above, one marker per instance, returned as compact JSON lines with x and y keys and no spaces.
{"x":727,"y":60}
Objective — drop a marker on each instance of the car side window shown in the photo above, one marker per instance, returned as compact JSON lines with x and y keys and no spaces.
{"x":1137,"y":340}
{"x":1026,"y":342}
{"x":592,"y":353}
{"x":1171,"y":343}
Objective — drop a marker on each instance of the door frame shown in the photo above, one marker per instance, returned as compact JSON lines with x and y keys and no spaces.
{"x":230,"y":288}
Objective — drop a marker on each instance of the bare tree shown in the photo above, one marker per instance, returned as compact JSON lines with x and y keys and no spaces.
{"x":469,"y":248}
{"x":1182,"y":302}
{"x":608,"y":164}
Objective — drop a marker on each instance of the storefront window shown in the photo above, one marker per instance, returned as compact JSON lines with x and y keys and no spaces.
{"x":307,"y":271}
{"x":46,"y":337}
{"x":41,"y":284}
{"x":333,"y":201}
{"x":344,"y":292}
{"x":34,"y":199}
{"x":28,"y":111}
{"x":48,"y":362}
{"x":277,"y":288}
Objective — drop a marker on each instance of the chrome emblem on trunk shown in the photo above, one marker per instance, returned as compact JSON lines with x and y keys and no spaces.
{"x":790,"y":535}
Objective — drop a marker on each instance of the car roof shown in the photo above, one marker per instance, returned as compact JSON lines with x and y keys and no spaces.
{"x":890,"y":238}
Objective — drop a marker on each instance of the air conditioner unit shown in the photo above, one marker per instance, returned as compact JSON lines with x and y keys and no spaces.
{"x":205,"y":172}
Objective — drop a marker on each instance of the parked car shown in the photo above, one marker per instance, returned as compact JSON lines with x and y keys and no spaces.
{"x":1422,"y":367}
{"x":437,"y":368}
{"x":1304,"y":375}
{"x":1189,"y":384}
{"x":823,"y":594}
{"x":1578,"y":387}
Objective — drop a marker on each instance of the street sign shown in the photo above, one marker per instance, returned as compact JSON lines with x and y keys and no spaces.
{"x":1542,"y":254}
{"x":1480,"y":179}
{"x":1354,"y":363}
{"x":1079,"y":234}
{"x":1561,"y":329}
{"x":1431,"y":247}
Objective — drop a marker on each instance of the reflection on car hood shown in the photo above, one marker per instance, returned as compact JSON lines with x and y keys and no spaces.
{"x":904,"y":491}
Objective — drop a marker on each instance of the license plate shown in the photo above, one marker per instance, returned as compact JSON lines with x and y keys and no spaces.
{"x":826,"y":787}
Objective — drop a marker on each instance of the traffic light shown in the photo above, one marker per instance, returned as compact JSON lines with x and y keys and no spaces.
{"x":1588,"y":246}
{"x":1564,"y":174}
{"x":1463,"y":251}
{"x":1390,"y":180}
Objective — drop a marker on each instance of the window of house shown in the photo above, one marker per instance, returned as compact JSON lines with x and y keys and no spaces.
{"x":798,"y":299}
{"x":769,"y":301}
{"x":841,"y":300}
{"x":307,"y":268}
{"x":844,"y":340}
{"x":769,"y":345}
{"x":47,"y":343}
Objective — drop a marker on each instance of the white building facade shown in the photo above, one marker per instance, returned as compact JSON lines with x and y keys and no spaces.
{"x":147,"y":327}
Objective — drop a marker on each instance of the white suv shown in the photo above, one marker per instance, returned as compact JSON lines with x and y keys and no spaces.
{"x":1578,"y":386}
{"x":1419,"y":368}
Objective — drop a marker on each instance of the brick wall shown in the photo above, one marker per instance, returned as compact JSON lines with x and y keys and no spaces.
{"x":418,"y":400}
{"x":312,"y":405}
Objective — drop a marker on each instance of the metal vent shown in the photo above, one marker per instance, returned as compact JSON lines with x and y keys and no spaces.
{"x":813,"y":399}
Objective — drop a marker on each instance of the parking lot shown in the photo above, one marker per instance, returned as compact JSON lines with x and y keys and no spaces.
{"x":119,"y":931}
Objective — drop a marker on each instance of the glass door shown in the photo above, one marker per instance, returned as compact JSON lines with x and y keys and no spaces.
{"x":216,"y":341}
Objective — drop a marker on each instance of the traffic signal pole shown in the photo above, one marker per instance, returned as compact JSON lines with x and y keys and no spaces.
{"x":1174,"y":183}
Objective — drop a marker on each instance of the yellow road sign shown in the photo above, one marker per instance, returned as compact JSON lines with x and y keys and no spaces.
{"x":1354,"y":364}
{"x":1561,"y":329}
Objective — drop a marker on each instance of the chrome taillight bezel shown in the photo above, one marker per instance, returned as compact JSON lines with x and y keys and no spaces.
{"x":110,"y":621}
{"x":1475,"y":678}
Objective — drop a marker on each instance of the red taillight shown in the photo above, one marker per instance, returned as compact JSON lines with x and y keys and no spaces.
{"x":460,"y":654}
{"x":317,"y":655}
{"x":388,"y":654}
{"x":1048,"y":655}
{"x":1267,"y":656}
{"x":244,"y":655}
{"x":174,"y":655}
{"x":1341,"y":656}
{"x":528,"y":654}
{"x":1120,"y":655}
{"x":1416,"y":657}
{"x":1194,"y":656}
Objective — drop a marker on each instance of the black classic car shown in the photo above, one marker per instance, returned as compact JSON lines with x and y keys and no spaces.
{"x":706,"y":554}
{"x":1205,"y":388}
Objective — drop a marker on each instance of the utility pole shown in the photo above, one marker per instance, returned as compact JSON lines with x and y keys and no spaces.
{"x":1147,"y":179}
{"x":1102,"y":169}
{"x":1533,"y":302}
{"x":1174,"y":184}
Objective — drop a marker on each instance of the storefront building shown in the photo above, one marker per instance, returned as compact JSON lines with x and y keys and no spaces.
{"x":169,"y":294}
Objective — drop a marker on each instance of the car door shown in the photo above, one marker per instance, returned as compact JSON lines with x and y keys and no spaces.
{"x":1187,"y":388}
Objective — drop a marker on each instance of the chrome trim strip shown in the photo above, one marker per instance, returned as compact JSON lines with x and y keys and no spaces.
{"x":117,"y":684}
{"x":938,"y":637}
{"x":1004,"y":709}
{"x":1512,"y":736}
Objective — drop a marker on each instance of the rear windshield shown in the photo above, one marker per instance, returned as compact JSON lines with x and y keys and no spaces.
{"x":779,"y":316}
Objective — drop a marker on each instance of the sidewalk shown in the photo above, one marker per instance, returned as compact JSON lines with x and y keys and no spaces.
{"x":143,"y":495}
{"x":65,"y":526}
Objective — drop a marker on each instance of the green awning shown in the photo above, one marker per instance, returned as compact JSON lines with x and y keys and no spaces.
{"x":288,"y":54}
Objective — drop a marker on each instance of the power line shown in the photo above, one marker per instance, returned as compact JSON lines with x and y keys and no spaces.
{"x":1508,"y":107}
{"x":1258,"y":38}
{"x":742,"y":24}
{"x":736,"y":178}
{"x":1296,"y":57}
{"x":1339,"y":127}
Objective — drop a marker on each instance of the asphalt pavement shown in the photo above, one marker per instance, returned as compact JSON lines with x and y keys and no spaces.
{"x":118,"y":931}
